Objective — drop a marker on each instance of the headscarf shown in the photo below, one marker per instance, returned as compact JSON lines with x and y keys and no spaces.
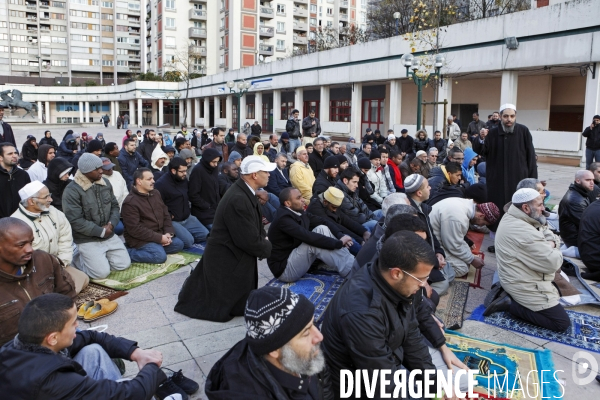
{"x":256,"y":145}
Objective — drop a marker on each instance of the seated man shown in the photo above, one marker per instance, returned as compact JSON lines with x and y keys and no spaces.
{"x":301,"y":175}
{"x":20,"y":281}
{"x":371,"y":322}
{"x":450,"y":221}
{"x":571,"y":207}
{"x":409,"y":167}
{"x":159,"y":162}
{"x":53,"y":231}
{"x":279,"y":178}
{"x":116,"y":180}
{"x":56,"y":361}
{"x":588,"y":240}
{"x":149,"y":234}
{"x":326,"y":205}
{"x":299,"y":238}
{"x":445,"y":183}
{"x":327,"y":177}
{"x":130,"y":160}
{"x":376,"y":175}
{"x":227,"y":177}
{"x":93,"y":211}
{"x":528,"y":257}
{"x":353,"y":206}
{"x":279,"y":362}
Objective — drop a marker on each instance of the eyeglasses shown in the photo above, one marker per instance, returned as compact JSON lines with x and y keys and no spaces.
{"x":431,"y":155}
{"x":43,"y":198}
{"x":421,"y":283}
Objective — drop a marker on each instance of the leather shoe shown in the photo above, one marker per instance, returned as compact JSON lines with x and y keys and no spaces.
{"x":100,"y":310}
{"x":502,"y":303}
{"x":494,"y":293}
{"x":492,"y":249}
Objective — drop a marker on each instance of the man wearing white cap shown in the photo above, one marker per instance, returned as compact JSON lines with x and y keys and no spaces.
{"x":508,"y":149}
{"x":51,"y":229}
{"x":528,"y":258}
{"x":219,"y":286}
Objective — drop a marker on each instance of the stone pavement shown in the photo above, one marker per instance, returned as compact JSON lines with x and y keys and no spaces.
{"x":146,"y":313}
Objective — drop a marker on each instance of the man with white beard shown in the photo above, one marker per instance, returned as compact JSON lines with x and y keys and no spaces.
{"x":280,"y":355}
{"x":528,"y":257}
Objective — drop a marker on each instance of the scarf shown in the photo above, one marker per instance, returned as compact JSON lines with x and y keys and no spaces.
{"x":397,"y":174}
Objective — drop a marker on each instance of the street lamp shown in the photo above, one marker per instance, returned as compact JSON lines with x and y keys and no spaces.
{"x":243,"y":88}
{"x":173,"y":101}
{"x":420,"y":79}
{"x":397,"y":18}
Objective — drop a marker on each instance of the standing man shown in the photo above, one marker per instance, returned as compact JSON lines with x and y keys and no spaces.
{"x":6,"y":132}
{"x":475,"y":126}
{"x":218,"y":143}
{"x":592,"y":143}
{"x":256,"y":129}
{"x":494,"y":122}
{"x":130,"y":160}
{"x":219,"y":286}
{"x":292,"y":127}
{"x":106,"y":120}
{"x":311,"y":127}
{"x":125,"y":121}
{"x":510,"y":156}
{"x":12,"y":179}
{"x":452,"y":129}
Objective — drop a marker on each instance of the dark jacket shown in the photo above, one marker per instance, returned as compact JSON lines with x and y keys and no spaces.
{"x":405,"y":144}
{"x":218,"y":287}
{"x":423,"y":213}
{"x":222,"y":149}
{"x":570,"y":210}
{"x":225,"y":182}
{"x":593,"y":138}
{"x":345,"y":223}
{"x":146,"y":148}
{"x":204,"y":188}
{"x":492,"y":124}
{"x":475,"y":127}
{"x":360,"y":154}
{"x":442,"y":189}
{"x":115,"y":161}
{"x":279,"y":179}
{"x":322,"y":183}
{"x":316,"y":160}
{"x":241,"y":374}
{"x":424,"y":145}
{"x":230,"y":138}
{"x":146,"y":218}
{"x":55,"y":185}
{"x":256,"y":129}
{"x":369,"y":326}
{"x":588,"y":240}
{"x":29,"y":154}
{"x":405,"y":169}
{"x":308,"y":129}
{"x":35,"y":372}
{"x":43,"y":274}
{"x":49,"y":141}
{"x":442,"y":146}
{"x":174,"y":194}
{"x":353,"y":206}
{"x":289,"y":230}
{"x":129,"y":164}
{"x":10,"y":183}
{"x":368,"y":251}
{"x":292,"y":127}
{"x":67,"y":147}
{"x":8,"y":135}
{"x":89,"y":206}
{"x":391,"y":147}
{"x":243,"y":149}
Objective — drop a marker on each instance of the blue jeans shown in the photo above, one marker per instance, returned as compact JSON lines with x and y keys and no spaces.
{"x":154,"y":253}
{"x":355,"y":248}
{"x":119,"y":229}
{"x":190,"y":231}
{"x":125,"y":125}
{"x":97,"y":363}
{"x":269,"y":209}
{"x":370,"y":225}
{"x":590,"y":157}
{"x":294,"y":144}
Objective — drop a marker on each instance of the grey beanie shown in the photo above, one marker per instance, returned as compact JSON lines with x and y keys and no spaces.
{"x":412,"y":183}
{"x":89,"y":162}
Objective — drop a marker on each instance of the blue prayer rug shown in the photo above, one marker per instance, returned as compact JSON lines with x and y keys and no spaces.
{"x":583,"y":333}
{"x":318,"y":288}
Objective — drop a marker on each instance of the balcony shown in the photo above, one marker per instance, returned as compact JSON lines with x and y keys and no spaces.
{"x":198,"y":1}
{"x":300,"y":26}
{"x":266,"y":31}
{"x":201,"y":50}
{"x":197,"y":15}
{"x":267,"y":12}
{"x":344,"y":4}
{"x":343,"y":17}
{"x":134,"y":21}
{"x":265,"y":50}
{"x":300,"y":40}
{"x":197,"y":33}
{"x":301,"y":1}
{"x":300,"y":12}
{"x":31,"y":7}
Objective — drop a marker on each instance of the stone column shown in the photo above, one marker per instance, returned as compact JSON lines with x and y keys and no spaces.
{"x":217,"y":109}
{"x":40,"y":112}
{"x":140,"y":120}
{"x":154,"y":119}
{"x":81,"y":112}
{"x":355,"y":112}
{"x":276,"y":107}
{"x":444,"y":93}
{"x":229,"y":112}
{"x":258,"y":105}
{"x":87,"y":112}
{"x":113,"y":113}
{"x":188,"y":115}
{"x":207,"y":113}
{"x":160,"y":112}
{"x":592,"y":104}
{"x":181,"y":110}
{"x":394,"y":107}
{"x":48,"y":119}
{"x":508,"y":87}
{"x":196,"y":111}
{"x":299,"y":102}
{"x":324,"y":104}
{"x":131,"y":114}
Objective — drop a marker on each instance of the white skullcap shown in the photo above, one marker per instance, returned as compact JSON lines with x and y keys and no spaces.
{"x":525,"y":195}
{"x":31,"y":189}
{"x":421,"y":153}
{"x":391,"y":136}
{"x":508,"y":105}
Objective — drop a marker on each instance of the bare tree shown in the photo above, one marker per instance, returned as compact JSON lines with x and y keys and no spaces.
{"x":381,"y":21}
{"x":327,"y":38}
{"x":478,"y":9}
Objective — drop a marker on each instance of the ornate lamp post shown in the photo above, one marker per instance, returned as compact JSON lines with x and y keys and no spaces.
{"x":420,"y":78}
{"x":175,"y":99}
{"x":243,"y":88}
{"x":397,"y":18}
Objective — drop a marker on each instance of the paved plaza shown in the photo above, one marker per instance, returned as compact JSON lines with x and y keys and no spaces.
{"x":146,"y":313}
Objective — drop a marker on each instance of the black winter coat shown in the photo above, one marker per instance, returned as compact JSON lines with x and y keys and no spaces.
{"x":29,"y":155}
{"x":570,"y":210}
{"x":49,"y":141}
{"x":204,"y":188}
{"x":35,"y":372}
{"x":346,"y":224}
{"x":146,"y":148}
{"x":442,"y":189}
{"x":129,"y":163}
{"x":442,"y":146}
{"x":225,"y":182}
{"x":53,"y":182}
{"x":10,"y":183}
{"x":422,"y":145}
{"x":277,"y":181}
{"x":405,"y":144}
{"x":256,"y":129}
{"x":423,"y":213}
{"x":66,"y":148}
{"x":593,"y":138}
{"x":588,"y":240}
{"x":316,"y":160}
{"x":322,"y":183}
{"x":218,"y":287}
{"x":174,"y":194}
{"x":370,"y":326}
{"x":353,"y":206}
{"x":289,"y":230}
{"x":8,"y":135}
{"x":308,"y":128}
{"x":242,"y":149}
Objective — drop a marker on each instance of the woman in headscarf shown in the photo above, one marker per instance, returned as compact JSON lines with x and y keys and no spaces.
{"x":48,"y":139}
{"x":83,"y":142}
{"x":100,"y":138}
{"x":127,"y":136}
{"x":29,"y":152}
{"x":259,"y":150}
{"x":204,"y":187}
{"x":205,"y":139}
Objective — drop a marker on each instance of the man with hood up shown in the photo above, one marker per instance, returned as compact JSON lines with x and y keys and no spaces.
{"x":468,"y":166}
{"x":48,"y":139}
{"x":68,"y":147}
{"x":190,"y":159}
{"x":160,"y":159}
{"x":39,"y":170}
{"x":148,"y":145}
{"x":29,"y":152}
{"x":204,"y":187}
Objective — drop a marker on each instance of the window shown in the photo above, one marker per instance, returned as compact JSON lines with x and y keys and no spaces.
{"x":222,"y":45}
{"x":3,"y":24}
{"x":107,"y":16}
{"x":107,"y":28}
{"x":280,"y":45}
{"x":57,"y":16}
{"x":18,"y":38}
{"x":122,"y":63}
{"x":281,"y":9}
{"x":107,"y":4}
{"x":363,"y":17}
{"x":170,"y":23}
{"x":107,"y":63}
{"x":4,"y":36}
{"x":373,"y":113}
{"x":79,"y":61}
{"x":250,"y":111}
{"x":222,"y":23}
{"x":14,"y":25}
{"x":330,"y":23}
{"x":84,"y":38}
{"x":56,"y":39}
{"x":286,"y":109}
{"x":14,"y":13}
{"x":329,"y":11}
{"x":313,"y":8}
{"x":21,"y":50}
{"x":3,"y":49}
{"x":281,"y":27}
{"x":121,"y":16}
{"x":339,"y":110}
{"x":170,"y":42}
{"x":170,"y":4}
{"x":59,"y":63}
{"x":18,"y":61}
{"x":221,"y":60}
{"x":313,"y":22}
{"x":85,"y":14}
{"x":122,"y":28}
{"x":59,"y":28}
{"x":134,"y":6}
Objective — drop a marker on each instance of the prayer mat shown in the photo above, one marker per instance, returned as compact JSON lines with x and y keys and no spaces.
{"x":94,"y":291}
{"x":504,"y":371}
{"x":477,"y":239}
{"x":473,"y":277}
{"x":587,"y":293}
{"x":583,"y":333}
{"x":451,"y":307}
{"x":319,"y":288}
{"x":139,"y":273}
{"x":197,"y":248}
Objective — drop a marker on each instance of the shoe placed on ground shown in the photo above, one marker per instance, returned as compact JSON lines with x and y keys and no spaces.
{"x":492,"y":249}
{"x":100,"y":310}
{"x":85,"y":306}
{"x":502,"y":303}
{"x":120,"y":364}
{"x":189,"y":386}
{"x":168,"y":388}
{"x":494,"y":293}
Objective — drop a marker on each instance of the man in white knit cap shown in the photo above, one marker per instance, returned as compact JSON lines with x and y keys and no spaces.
{"x":528,"y":258}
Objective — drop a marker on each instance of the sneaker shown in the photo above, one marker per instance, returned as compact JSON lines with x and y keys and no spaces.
{"x":168,"y":388}
{"x":189,"y":386}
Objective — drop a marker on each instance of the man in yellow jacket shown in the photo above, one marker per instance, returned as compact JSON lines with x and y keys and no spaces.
{"x":301,"y":174}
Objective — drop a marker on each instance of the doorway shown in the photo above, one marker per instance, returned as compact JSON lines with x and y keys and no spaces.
{"x":464,"y":112}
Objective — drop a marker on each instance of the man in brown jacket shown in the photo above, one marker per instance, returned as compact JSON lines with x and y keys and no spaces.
{"x":25,"y":274}
{"x":149,"y":233}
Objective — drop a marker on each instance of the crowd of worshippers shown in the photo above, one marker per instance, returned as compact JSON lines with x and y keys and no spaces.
{"x":390,"y":215}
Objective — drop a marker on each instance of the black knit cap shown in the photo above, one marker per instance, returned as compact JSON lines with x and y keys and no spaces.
{"x":331,"y":162}
{"x":477,"y":192}
{"x":364,"y":163}
{"x":274,"y":315}
{"x":374,"y":154}
{"x":94,"y":145}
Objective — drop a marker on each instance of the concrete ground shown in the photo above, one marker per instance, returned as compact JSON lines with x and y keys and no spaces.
{"x":146,"y":313}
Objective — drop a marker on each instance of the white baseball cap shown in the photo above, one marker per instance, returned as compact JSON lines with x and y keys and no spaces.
{"x":252,"y":164}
